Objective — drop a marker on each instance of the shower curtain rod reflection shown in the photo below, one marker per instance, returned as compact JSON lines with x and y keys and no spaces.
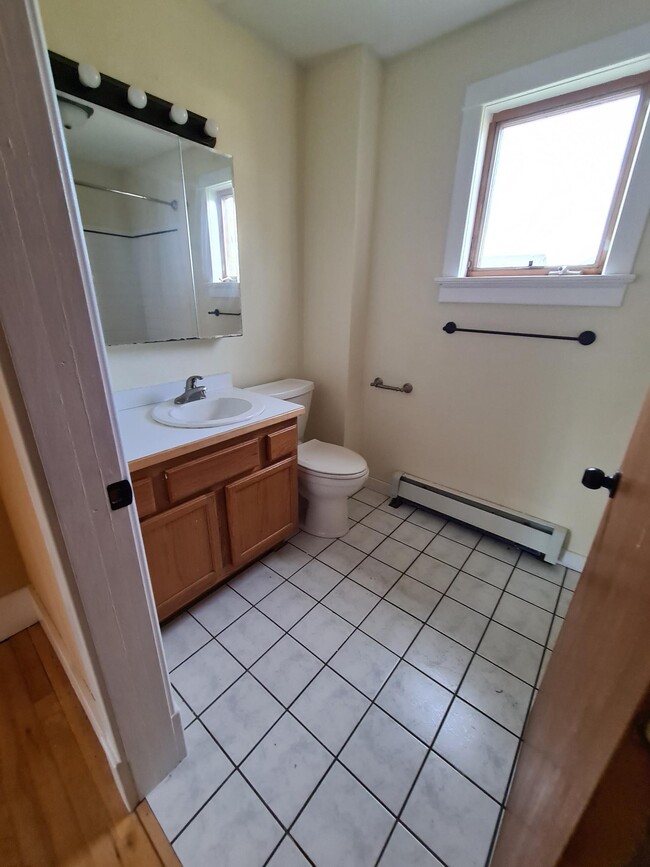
{"x":173,"y":204}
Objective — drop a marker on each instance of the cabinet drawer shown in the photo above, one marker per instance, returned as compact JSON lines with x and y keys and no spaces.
{"x":145,"y":499}
{"x":203,"y":473}
{"x":282,"y":443}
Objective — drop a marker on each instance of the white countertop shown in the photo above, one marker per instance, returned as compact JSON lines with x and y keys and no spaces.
{"x":144,"y":437}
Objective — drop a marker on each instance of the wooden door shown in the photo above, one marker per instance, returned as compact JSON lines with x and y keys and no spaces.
{"x":183,"y":552}
{"x":262,"y":509}
{"x":581,"y":792}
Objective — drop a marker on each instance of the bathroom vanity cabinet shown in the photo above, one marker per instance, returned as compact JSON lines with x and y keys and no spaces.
{"x":209,"y":511}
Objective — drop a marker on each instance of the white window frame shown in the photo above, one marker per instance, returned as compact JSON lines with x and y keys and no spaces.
{"x":598,"y":62}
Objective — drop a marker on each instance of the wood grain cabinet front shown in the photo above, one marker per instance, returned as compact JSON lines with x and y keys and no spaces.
{"x":206,"y":513}
{"x":183,"y":552}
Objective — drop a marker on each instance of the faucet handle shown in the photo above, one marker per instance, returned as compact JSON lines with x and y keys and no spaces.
{"x":191,"y":381}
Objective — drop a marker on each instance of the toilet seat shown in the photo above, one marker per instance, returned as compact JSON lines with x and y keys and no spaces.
{"x":329,"y":461}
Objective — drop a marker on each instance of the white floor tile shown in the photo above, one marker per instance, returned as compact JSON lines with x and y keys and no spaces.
{"x":474,"y":593}
{"x":286,"y":560}
{"x":478,"y":747}
{"x":187,"y":715}
{"x":242,"y":716}
{"x":219,"y":609}
{"x":411,"y":534}
{"x":566,"y":597}
{"x":249,"y":637}
{"x":375,"y":575}
{"x":316,"y":578}
{"x":330,"y":708}
{"x":341,"y":557}
{"x":459,"y":533}
{"x":497,"y":693}
{"x":511,"y":651}
{"x":391,"y":626}
{"x":286,"y":605}
{"x":255,"y":582}
{"x":371,"y":498}
{"x":557,"y":624}
{"x":286,"y":767}
{"x":488,"y":569}
{"x":395,"y":554}
{"x":571,"y":579}
{"x":427,"y":520}
{"x":415,"y":700}
{"x":435,"y":573}
{"x":385,"y":757}
{"x":451,"y":815}
{"x":439,"y":657}
{"x":542,"y":669}
{"x":342,"y":824}
{"x":554,"y":573}
{"x":181,"y":638}
{"x":533,"y":589}
{"x":351,"y":601}
{"x":182,"y":794}
{"x":288,"y":855}
{"x":358,"y":510}
{"x":322,"y":631}
{"x":364,"y":663}
{"x":459,"y":622}
{"x":286,"y":669}
{"x":414,"y":597}
{"x":234,"y":829}
{"x":363,"y":538}
{"x":501,"y":550}
{"x":402,"y":511}
{"x":527,"y":619}
{"x":448,"y":551}
{"x":203,"y":677}
{"x":311,"y":545}
{"x":382,"y":522}
{"x":404,"y":850}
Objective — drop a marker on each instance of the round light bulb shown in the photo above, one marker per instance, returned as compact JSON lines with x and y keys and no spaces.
{"x":89,"y":76}
{"x":211,"y":128}
{"x":178,"y":114}
{"x":136,"y":97}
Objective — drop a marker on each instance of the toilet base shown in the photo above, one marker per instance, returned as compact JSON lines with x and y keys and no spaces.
{"x":324,"y":504}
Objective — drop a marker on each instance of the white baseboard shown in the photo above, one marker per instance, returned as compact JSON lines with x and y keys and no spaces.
{"x":573,"y":561}
{"x":568,"y":558}
{"x":17,"y":612}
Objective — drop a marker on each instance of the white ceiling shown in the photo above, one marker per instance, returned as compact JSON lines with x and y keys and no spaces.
{"x":305,"y":29}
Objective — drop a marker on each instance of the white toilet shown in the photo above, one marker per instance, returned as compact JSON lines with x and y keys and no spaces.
{"x":327,"y":474}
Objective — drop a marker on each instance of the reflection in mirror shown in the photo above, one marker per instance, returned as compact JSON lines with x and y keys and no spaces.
{"x":210,"y":192}
{"x":162,"y":247}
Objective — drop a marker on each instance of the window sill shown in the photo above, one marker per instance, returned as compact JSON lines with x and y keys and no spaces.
{"x":577,"y":290}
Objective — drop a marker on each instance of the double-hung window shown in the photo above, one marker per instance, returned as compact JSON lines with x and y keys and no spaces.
{"x":222,"y":229}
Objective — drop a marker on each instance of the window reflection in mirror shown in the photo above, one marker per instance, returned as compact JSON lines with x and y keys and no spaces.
{"x":159,"y":222}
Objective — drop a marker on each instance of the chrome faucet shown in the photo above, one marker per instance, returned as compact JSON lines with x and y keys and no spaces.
{"x":192,"y":391}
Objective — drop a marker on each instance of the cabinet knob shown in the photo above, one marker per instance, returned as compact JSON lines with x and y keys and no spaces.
{"x":595,"y":478}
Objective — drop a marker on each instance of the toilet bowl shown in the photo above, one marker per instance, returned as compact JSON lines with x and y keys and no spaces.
{"x":327,"y":474}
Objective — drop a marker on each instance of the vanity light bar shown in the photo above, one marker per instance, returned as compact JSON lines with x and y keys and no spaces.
{"x":114,"y":94}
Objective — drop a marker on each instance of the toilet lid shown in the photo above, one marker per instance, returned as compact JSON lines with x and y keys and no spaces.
{"x":330,"y":460}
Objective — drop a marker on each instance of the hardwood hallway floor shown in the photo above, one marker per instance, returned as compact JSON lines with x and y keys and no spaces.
{"x":58,"y":802}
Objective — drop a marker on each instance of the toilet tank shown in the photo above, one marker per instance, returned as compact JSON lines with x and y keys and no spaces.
{"x":294,"y":390}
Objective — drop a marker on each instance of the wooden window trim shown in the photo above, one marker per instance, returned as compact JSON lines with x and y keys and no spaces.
{"x":596,"y":94}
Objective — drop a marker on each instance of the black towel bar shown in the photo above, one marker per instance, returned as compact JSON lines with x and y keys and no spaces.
{"x":585,"y":338}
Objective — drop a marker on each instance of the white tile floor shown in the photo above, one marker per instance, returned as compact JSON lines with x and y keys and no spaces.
{"x":358,"y":702}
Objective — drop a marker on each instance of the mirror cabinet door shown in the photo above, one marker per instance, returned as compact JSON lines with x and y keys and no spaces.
{"x":158,"y":216}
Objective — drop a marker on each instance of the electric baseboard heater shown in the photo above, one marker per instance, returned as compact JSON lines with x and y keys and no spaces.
{"x":538,"y":537}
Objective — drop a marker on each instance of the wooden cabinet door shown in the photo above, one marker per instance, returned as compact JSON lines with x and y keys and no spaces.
{"x":183,"y":552}
{"x":262,"y":509}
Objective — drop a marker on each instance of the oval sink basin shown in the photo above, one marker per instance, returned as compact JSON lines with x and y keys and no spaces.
{"x":209,"y":412}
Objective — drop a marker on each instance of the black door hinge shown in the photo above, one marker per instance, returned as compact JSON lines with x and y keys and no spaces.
{"x":120,"y":494}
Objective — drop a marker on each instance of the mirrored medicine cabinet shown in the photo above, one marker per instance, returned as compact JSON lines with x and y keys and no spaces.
{"x":159,"y":221}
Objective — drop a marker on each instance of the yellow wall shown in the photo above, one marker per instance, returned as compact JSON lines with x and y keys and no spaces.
{"x":12,"y":568}
{"x":186,"y":52}
{"x":510,"y":420}
{"x":340,"y":113}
